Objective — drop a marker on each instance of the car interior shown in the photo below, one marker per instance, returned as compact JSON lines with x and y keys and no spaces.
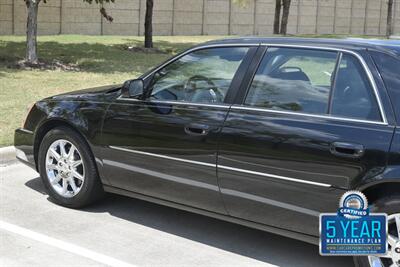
{"x":282,"y":84}
{"x":353,"y":96}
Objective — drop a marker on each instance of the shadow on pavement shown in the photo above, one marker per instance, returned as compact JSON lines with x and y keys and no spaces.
{"x":259,"y":245}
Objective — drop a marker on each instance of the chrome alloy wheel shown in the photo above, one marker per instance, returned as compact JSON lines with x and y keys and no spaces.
{"x":392,"y":258}
{"x":64,"y":168}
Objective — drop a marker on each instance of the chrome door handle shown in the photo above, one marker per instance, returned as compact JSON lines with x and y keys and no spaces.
{"x":197,"y":129}
{"x":347,"y":150}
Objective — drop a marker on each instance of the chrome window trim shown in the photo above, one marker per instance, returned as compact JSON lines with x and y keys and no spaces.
{"x":242,"y":107}
{"x":196,"y":49}
{"x":184,"y":54}
{"x":360,"y":59}
{"x":180,"y":103}
{"x":214,"y":165}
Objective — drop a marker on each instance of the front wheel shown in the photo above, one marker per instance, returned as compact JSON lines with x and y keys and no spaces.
{"x":67,"y":169}
{"x":391,"y":206}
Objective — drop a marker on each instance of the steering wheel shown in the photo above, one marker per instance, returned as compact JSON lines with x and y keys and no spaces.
{"x":193,"y":94}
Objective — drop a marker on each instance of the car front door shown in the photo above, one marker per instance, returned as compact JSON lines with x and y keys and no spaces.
{"x":309,"y":127}
{"x":163,"y":144}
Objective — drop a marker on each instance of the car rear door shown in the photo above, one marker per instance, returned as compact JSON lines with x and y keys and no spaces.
{"x":309,"y":126}
{"x":164,"y":144}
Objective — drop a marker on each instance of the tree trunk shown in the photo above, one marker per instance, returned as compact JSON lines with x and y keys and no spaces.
{"x":277,"y":16}
{"x":31,"y":31}
{"x":389,"y":26}
{"x":148,"y":25}
{"x":285,"y":16}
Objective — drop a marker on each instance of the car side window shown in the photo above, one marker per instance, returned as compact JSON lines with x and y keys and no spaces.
{"x":291,"y":79}
{"x":353,"y":95}
{"x":203,"y":76}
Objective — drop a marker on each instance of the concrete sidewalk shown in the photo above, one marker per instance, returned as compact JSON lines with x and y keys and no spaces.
{"x":7,"y":155}
{"x":133,"y":232}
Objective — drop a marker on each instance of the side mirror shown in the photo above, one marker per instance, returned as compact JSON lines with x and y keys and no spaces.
{"x":133,"y":88}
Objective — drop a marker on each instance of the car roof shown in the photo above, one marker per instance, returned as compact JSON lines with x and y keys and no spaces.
{"x":390,"y":46}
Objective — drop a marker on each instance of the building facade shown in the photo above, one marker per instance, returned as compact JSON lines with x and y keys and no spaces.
{"x":202,"y":17}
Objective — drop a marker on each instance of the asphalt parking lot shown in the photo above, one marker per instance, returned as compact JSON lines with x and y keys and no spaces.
{"x":126,"y":232}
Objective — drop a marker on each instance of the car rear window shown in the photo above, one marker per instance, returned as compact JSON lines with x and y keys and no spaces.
{"x":353,"y":95}
{"x":314,"y":81}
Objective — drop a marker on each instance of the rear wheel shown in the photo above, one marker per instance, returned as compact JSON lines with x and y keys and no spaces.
{"x":391,"y":206}
{"x":67,"y":169}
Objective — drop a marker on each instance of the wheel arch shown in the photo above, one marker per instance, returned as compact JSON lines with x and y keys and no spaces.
{"x":382,"y":189}
{"x":47,"y":126}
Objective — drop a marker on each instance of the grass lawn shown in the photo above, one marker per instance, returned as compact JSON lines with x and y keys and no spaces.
{"x":102,"y":60}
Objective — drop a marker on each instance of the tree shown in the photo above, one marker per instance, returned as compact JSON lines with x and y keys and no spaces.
{"x":148,"y":24}
{"x":278,"y":6}
{"x":31,"y":31}
{"x":285,"y":16}
{"x":280,"y":24}
{"x":389,"y":24}
{"x":31,"y":26}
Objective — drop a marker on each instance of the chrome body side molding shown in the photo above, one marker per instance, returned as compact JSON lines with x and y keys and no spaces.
{"x":268,"y":175}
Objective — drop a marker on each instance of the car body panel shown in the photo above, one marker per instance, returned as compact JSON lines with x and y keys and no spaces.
{"x":83,"y":111}
{"x":246,"y":159}
{"x":264,"y":145}
{"x":148,"y":151}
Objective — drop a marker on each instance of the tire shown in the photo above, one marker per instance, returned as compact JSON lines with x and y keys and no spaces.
{"x":389,"y":205}
{"x":88,"y":189}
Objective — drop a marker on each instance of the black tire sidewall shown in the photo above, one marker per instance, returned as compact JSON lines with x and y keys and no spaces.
{"x":389,"y":205}
{"x":91,"y":187}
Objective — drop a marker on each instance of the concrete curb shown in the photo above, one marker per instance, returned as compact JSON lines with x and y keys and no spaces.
{"x":7,"y":155}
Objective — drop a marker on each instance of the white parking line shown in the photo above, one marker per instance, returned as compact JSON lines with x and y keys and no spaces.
{"x":100,"y":258}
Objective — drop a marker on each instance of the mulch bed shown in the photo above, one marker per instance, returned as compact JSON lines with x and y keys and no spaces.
{"x":42,"y":65}
{"x":138,"y":49}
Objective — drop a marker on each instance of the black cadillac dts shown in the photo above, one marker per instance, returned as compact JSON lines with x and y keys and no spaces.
{"x":264,"y":132}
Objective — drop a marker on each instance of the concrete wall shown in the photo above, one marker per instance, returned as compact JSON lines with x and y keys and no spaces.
{"x":198,"y":17}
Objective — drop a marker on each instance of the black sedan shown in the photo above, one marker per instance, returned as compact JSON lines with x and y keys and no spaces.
{"x":265,"y":132}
